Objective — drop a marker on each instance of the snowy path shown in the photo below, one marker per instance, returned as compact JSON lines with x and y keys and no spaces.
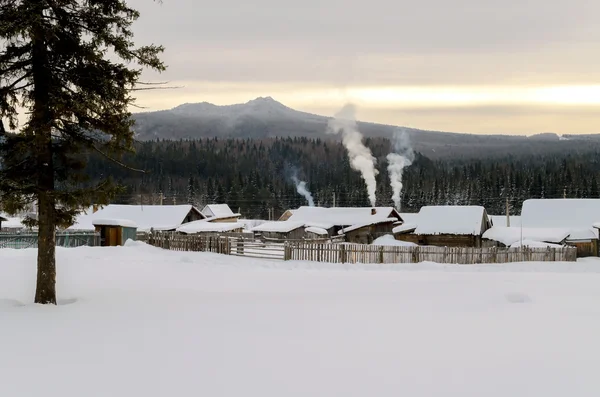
{"x":139,"y":321}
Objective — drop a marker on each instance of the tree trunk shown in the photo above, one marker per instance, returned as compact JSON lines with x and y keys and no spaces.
{"x":45,"y":292}
{"x":41,"y":124}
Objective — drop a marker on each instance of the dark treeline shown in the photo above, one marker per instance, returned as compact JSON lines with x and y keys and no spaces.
{"x":256,"y":175}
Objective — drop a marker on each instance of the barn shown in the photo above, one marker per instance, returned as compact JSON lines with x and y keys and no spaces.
{"x":446,"y":226}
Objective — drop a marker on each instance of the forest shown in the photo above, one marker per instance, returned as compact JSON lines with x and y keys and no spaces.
{"x":255,"y":176}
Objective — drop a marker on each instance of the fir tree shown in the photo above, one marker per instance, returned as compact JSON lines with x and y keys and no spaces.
{"x":54,"y":65}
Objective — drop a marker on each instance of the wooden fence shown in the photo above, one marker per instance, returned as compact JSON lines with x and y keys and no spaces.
{"x":359,"y":253}
{"x":352,"y":253}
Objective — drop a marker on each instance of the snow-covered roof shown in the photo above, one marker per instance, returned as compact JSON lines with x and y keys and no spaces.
{"x":511,"y":235}
{"x":114,"y":222}
{"x":321,"y":225}
{"x":535,"y":244}
{"x":405,"y":227}
{"x":578,"y":215}
{"x":389,"y":240}
{"x":218,"y":211}
{"x":11,"y":222}
{"x":203,"y":226}
{"x":500,"y":220}
{"x":158,"y":217}
{"x":316,"y":230}
{"x":278,"y":226}
{"x":342,"y":216}
{"x":449,"y":219}
{"x":359,"y":225}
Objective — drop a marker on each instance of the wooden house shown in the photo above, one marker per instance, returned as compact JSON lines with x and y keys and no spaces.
{"x":220,"y":213}
{"x":578,"y":216}
{"x":337,"y":218}
{"x":115,"y":232}
{"x":367,"y":233}
{"x":280,"y":230}
{"x":447,"y":226}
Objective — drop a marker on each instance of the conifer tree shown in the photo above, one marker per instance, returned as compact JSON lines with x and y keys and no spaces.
{"x":71,"y":66}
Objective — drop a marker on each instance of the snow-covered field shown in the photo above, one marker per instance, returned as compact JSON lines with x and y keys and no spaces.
{"x":140,"y":321}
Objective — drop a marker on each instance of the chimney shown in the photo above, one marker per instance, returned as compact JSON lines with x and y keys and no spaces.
{"x":95,"y":208}
{"x":373,"y":211}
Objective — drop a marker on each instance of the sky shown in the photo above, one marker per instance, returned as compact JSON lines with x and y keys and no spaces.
{"x":478,"y":66}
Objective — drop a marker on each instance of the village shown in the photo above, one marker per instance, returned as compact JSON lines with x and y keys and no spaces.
{"x":547,"y":229}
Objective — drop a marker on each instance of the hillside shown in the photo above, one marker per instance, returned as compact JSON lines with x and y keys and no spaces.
{"x":267,"y":118}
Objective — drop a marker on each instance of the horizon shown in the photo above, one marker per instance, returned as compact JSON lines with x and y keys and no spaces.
{"x":559,"y":134}
{"x":518,"y":68}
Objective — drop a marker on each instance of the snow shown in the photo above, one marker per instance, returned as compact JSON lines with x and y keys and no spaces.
{"x":510,"y":235}
{"x":140,"y":321}
{"x":409,"y":217}
{"x":158,"y":217}
{"x":450,"y":219}
{"x":218,"y":211}
{"x":114,"y":222}
{"x":278,"y":226}
{"x":316,"y":230}
{"x":535,"y":244}
{"x":389,"y":240}
{"x":500,"y":220}
{"x":203,"y":226}
{"x":341,"y":216}
{"x":321,"y":225}
{"x":405,"y":227}
{"x":579,"y":215}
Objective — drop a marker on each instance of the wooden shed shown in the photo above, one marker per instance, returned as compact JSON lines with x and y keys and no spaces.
{"x":220,"y":213}
{"x":579,"y":216}
{"x":447,"y":226}
{"x":115,"y":232}
{"x":280,"y":230}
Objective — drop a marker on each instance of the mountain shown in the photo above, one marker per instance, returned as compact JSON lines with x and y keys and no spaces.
{"x":264,"y":117}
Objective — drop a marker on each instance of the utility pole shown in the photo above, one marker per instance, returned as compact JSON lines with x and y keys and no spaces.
{"x":160,"y":200}
{"x":507,"y":213}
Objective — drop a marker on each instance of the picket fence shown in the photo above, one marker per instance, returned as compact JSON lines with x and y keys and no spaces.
{"x":239,"y":245}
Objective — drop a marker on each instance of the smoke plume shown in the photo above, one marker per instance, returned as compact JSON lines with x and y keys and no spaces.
{"x":361,"y":158}
{"x":402,"y":157}
{"x":302,"y":190}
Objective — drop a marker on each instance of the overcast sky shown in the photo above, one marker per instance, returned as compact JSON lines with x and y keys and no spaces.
{"x":517,"y":67}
